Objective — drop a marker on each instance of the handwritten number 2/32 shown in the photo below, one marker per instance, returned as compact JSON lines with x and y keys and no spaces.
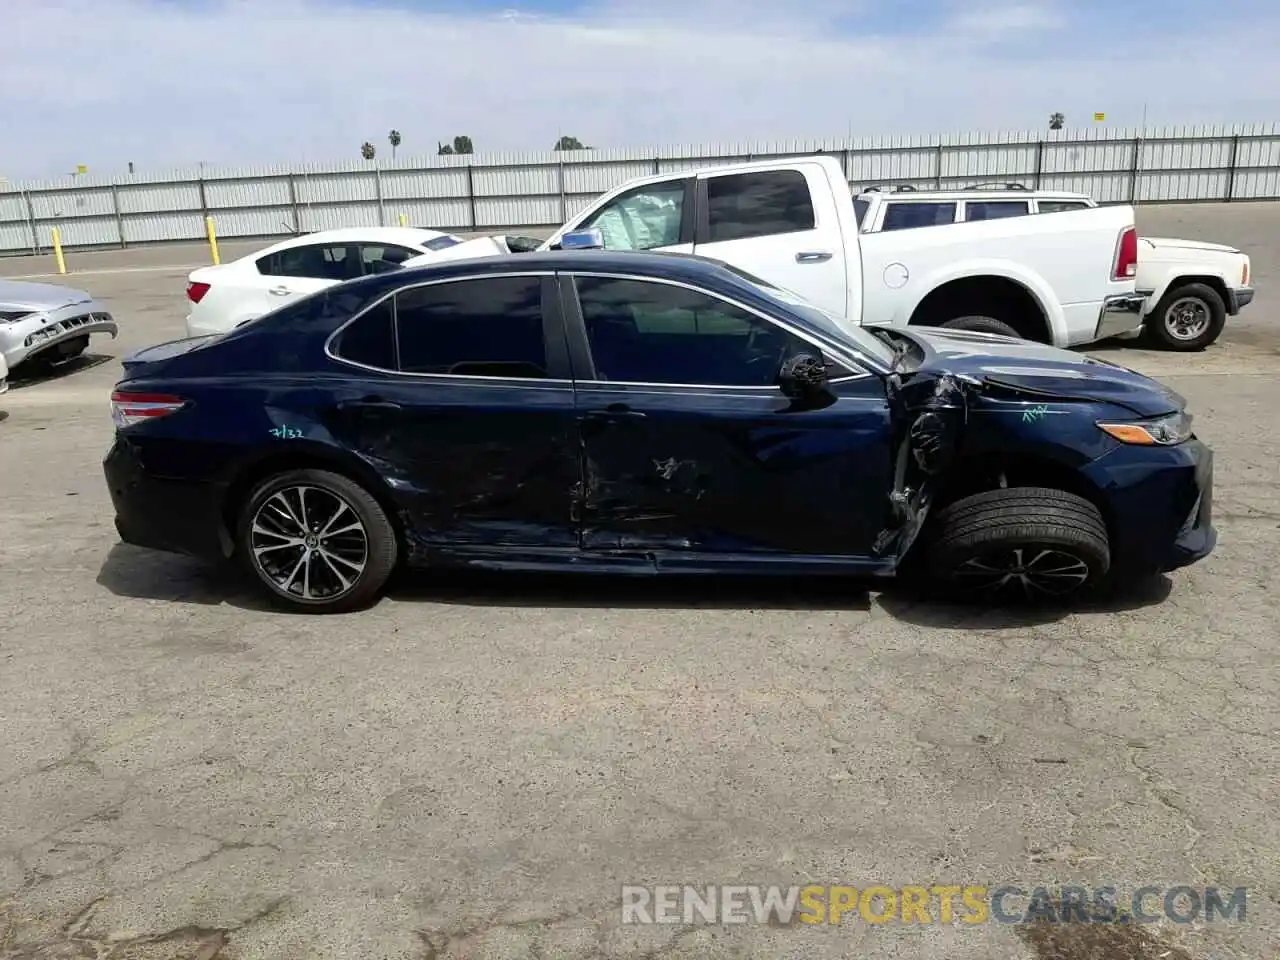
{"x":286,"y":433}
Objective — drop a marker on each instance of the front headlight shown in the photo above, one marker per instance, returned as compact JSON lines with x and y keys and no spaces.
{"x":1166,"y":431}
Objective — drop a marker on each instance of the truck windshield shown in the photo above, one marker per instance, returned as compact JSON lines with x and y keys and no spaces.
{"x":823,"y":322}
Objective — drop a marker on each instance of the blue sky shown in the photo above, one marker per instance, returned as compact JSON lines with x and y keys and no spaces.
{"x":171,"y":83}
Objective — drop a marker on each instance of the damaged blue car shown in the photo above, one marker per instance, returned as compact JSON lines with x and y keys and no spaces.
{"x":642,"y":413}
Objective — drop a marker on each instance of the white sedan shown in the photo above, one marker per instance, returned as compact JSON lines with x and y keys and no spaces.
{"x":225,"y":296}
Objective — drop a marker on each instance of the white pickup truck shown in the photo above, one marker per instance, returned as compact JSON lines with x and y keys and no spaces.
{"x":1060,"y":278}
{"x":1191,"y":286}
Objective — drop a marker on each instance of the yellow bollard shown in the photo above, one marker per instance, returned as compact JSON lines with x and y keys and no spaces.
{"x":404,"y":220}
{"x":57,"y":251}
{"x":213,"y":240}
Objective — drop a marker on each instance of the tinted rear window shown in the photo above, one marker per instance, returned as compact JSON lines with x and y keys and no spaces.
{"x":744,"y":205}
{"x":995,"y":209}
{"x":441,"y":243}
{"x":904,"y":216}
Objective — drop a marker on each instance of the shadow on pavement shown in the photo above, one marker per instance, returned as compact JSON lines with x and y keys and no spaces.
{"x":144,"y":574}
{"x":30,"y":373}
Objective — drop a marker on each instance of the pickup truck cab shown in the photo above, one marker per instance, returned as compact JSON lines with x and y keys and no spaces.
{"x":1190,"y":287}
{"x":1064,"y":279}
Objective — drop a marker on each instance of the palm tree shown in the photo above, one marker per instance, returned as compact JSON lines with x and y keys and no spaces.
{"x":368,"y":150}
{"x":393,"y":138}
{"x":1057,"y":121}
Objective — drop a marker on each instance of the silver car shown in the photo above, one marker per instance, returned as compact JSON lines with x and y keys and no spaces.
{"x":47,"y":323}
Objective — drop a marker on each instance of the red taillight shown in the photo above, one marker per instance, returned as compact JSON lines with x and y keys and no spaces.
{"x":196,"y":291}
{"x":1126,"y":265}
{"x":130,"y":408}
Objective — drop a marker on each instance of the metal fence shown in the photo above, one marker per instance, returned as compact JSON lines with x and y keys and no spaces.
{"x":527,"y":190}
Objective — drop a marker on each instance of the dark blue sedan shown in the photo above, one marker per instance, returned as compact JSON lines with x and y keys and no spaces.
{"x":639,"y":413}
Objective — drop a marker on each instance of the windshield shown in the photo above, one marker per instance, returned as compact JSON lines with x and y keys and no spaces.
{"x":442,"y":242}
{"x":822,"y":322}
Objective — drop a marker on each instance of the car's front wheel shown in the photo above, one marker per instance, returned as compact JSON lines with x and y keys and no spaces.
{"x":1019,"y":543}
{"x":1188,"y":317}
{"x":317,"y":541}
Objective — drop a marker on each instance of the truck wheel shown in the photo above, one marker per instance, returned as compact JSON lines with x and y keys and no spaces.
{"x":1189,"y":317}
{"x":980,"y":324}
{"x":317,"y":541}
{"x":1018,"y":543}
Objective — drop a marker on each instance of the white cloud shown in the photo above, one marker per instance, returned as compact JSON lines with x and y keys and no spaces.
{"x":239,"y":82}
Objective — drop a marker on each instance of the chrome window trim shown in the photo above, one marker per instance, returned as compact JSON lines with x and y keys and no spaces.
{"x":854,"y":360}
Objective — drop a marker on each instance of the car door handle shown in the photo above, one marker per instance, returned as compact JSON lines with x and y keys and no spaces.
{"x":813,"y":256}
{"x":280,"y":291}
{"x":368,"y":403}
{"x":614,"y":412}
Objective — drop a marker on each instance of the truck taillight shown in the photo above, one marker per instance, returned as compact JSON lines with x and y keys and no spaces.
{"x":1126,"y":265}
{"x":196,"y":291}
{"x":130,"y":408}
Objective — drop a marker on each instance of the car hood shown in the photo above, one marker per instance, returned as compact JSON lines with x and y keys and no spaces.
{"x":1042,"y":371}
{"x":21,"y":295}
{"x":1166,"y":243}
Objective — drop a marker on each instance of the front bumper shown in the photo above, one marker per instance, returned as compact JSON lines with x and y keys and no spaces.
{"x":38,"y":333}
{"x":1160,"y":505}
{"x":177,"y":516}
{"x":1119,"y":314}
{"x":1240,"y":297}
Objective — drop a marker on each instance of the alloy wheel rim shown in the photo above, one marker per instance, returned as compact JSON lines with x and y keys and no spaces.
{"x":309,"y":543}
{"x":1187,"y":318}
{"x":1035,"y":572}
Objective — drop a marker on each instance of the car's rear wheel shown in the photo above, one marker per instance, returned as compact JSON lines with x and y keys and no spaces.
{"x":317,"y":541}
{"x":1188,"y":317}
{"x":981,"y":324}
{"x":1019,"y":543}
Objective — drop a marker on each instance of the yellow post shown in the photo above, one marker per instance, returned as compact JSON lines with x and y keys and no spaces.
{"x":404,"y":220}
{"x":57,"y":251}
{"x":213,"y":240}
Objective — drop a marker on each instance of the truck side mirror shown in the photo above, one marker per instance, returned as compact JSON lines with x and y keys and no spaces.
{"x":591,"y":238}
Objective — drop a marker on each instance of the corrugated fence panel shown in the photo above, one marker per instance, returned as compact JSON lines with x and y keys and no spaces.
{"x":158,"y":197}
{"x":82,"y":231}
{"x":424,"y":184}
{"x":245,"y":193}
{"x":157,"y":227}
{"x":510,"y":190}
{"x":597,"y":178}
{"x":322,"y":216}
{"x":337,"y":188}
{"x":72,"y":203}
{"x":515,"y":181}
{"x":431,"y":214}
{"x":13,"y":207}
{"x":15,"y":236}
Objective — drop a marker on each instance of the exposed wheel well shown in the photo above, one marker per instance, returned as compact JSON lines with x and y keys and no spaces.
{"x":1214,"y":283}
{"x":998,"y":297}
{"x":981,"y":473}
{"x":242,"y":486}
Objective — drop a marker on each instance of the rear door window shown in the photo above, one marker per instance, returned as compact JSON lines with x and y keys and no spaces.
{"x":315,"y":262}
{"x":745,"y":205}
{"x":1060,"y":206}
{"x":995,"y":209}
{"x":909,"y":215}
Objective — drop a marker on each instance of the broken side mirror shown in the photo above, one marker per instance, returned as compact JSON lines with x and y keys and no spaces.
{"x":804,"y":377}
{"x":592,"y":238}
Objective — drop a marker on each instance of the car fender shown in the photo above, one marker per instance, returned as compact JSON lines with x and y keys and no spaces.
{"x":1159,"y":278}
{"x":1034,"y":284}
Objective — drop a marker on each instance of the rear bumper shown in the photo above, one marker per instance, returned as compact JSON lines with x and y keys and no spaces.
{"x":177,"y":516}
{"x":1161,"y":505}
{"x":1119,"y":314}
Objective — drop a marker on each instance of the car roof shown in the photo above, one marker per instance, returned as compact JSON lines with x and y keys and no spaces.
{"x":984,"y":195}
{"x":413,"y":235}
{"x":646,"y":263}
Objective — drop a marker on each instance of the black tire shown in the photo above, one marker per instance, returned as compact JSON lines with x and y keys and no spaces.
{"x":378,"y":554}
{"x":1059,"y":536}
{"x":1163,"y":323}
{"x":980,"y":324}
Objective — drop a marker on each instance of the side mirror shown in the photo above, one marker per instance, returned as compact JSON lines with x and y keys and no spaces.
{"x":592,"y":238}
{"x":804,"y":377}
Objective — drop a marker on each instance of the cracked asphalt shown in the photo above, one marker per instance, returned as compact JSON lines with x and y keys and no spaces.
{"x":474,"y":767}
